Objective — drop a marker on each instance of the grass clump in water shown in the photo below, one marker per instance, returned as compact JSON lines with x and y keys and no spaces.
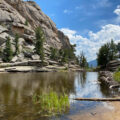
{"x":117,"y":76}
{"x":51,"y":104}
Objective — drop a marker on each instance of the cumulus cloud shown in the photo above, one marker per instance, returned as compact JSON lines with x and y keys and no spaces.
{"x":91,"y":45}
{"x":117,"y":12}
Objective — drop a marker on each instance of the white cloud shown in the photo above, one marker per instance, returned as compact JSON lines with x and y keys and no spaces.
{"x":102,"y":3}
{"x":117,"y":12}
{"x":79,"y":7}
{"x":66,"y":11}
{"x":91,"y":45}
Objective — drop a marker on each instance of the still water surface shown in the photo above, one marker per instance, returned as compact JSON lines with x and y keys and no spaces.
{"x":16,"y":90}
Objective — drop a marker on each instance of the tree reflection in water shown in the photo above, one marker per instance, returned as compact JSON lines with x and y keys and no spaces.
{"x":16,"y":91}
{"x":15,"y":87}
{"x":82,"y":79}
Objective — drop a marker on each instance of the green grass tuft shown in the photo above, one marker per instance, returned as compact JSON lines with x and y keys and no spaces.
{"x":51,"y":104}
{"x":117,"y":76}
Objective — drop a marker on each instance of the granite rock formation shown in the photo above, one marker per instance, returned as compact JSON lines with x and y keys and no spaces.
{"x":13,"y":17}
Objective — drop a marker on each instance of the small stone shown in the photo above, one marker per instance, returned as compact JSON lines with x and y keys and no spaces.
{"x":35,"y":57}
{"x":14,"y":59}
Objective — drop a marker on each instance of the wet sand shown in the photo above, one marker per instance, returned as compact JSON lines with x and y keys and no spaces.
{"x":110,"y":111}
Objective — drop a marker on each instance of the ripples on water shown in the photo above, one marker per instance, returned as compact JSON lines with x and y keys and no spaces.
{"x":16,"y":91}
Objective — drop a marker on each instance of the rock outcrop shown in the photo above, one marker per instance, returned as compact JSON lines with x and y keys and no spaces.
{"x":107,"y":77}
{"x":113,"y":65}
{"x":13,"y":17}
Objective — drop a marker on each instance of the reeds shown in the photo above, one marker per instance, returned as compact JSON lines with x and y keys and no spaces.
{"x":51,"y":103}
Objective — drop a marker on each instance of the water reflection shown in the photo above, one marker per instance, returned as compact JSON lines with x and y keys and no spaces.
{"x":14,"y":87}
{"x":82,"y":78}
{"x":107,"y":92}
{"x":16,"y":91}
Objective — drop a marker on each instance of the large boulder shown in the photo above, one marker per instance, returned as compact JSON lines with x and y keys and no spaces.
{"x":113,"y":65}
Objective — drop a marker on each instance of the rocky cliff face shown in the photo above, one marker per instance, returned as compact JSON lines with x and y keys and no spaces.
{"x":13,"y":16}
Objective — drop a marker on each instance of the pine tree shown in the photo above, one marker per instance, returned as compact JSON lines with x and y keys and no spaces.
{"x":17,"y":44}
{"x":54,"y":53}
{"x":26,"y":23}
{"x":82,"y":60}
{"x":118,"y":48}
{"x":7,"y":53}
{"x":39,"y":43}
{"x":106,"y":53}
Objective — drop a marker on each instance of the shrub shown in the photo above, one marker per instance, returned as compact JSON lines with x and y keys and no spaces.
{"x":118,"y":70}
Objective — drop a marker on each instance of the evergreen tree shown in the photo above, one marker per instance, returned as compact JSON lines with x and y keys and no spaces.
{"x":118,"y":48}
{"x":17,"y":44}
{"x":112,"y":50}
{"x":54,"y":53}
{"x":65,"y":55}
{"x":39,"y":43}
{"x":71,"y":52}
{"x":26,"y":23}
{"x":7,"y":53}
{"x":106,"y":53}
{"x":82,"y":60}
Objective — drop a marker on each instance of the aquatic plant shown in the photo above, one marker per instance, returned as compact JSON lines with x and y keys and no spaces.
{"x":116,"y":76}
{"x":51,"y":103}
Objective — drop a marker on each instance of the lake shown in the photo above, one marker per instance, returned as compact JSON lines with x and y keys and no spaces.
{"x":17,"y":89}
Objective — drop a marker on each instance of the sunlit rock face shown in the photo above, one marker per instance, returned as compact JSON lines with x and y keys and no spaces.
{"x":13,"y":17}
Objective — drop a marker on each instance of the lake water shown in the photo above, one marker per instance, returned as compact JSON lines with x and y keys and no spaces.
{"x":16,"y":90}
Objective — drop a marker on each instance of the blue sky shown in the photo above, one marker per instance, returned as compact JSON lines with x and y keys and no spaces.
{"x":88,"y":23}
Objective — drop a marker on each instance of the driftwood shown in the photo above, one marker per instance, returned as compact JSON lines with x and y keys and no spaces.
{"x":97,"y":99}
{"x":114,"y":86}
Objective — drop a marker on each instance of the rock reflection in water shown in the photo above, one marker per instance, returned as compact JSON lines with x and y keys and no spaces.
{"x":16,"y":92}
{"x":107,"y":92}
{"x":14,"y":87}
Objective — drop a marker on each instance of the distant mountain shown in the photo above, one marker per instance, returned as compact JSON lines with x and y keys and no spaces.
{"x":93,"y":63}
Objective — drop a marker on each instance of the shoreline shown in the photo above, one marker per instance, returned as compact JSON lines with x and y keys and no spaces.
{"x":36,"y":66}
{"x":110,"y":111}
{"x":38,"y":69}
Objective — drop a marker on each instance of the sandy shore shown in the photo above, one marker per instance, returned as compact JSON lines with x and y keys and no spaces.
{"x":110,"y":111}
